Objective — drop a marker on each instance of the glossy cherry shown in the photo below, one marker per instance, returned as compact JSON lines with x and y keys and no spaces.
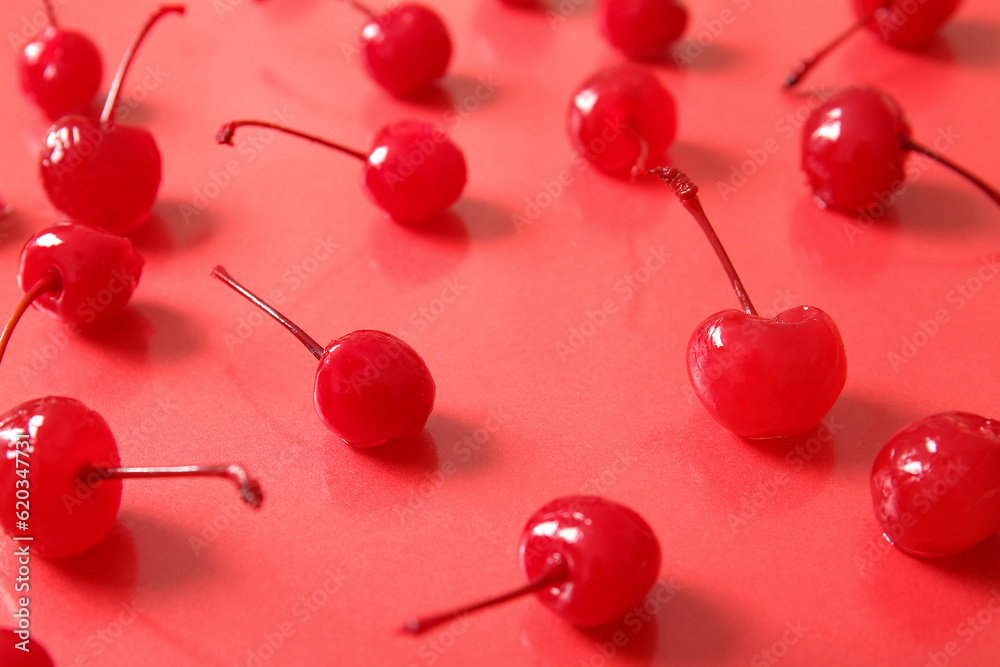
{"x":760,"y":377}
{"x":906,"y":24}
{"x":12,"y":656}
{"x":642,"y":29}
{"x":405,"y":47}
{"x":623,"y":120}
{"x":60,"y":71}
{"x":586,"y":558}
{"x":370,"y":387}
{"x":62,"y":460}
{"x":77,"y":273}
{"x":412,"y":171}
{"x":98,"y":171}
{"x":854,"y":149}
{"x":936,"y":484}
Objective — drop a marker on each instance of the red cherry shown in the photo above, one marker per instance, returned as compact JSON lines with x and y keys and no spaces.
{"x":12,"y":656}
{"x":99,"y":172}
{"x":623,"y":120}
{"x":854,"y":147}
{"x":412,"y":171}
{"x":77,"y":273}
{"x":586,"y":558}
{"x":902,"y":23}
{"x":405,"y":47}
{"x":642,"y":29}
{"x":62,"y":464}
{"x":370,"y":387}
{"x":760,"y":377}
{"x":61,"y":70}
{"x":936,"y":484}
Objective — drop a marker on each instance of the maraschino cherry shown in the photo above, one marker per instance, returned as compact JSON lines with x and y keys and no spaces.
{"x":406,"y":47}
{"x":62,"y":456}
{"x":12,"y":656}
{"x":936,"y":484}
{"x":77,"y":273}
{"x":642,"y":29}
{"x":623,"y":119}
{"x":412,"y":171}
{"x":906,"y":24}
{"x":59,"y":71}
{"x":854,"y":147}
{"x":98,"y":171}
{"x":760,"y":377}
{"x":586,"y":558}
{"x":370,"y":387}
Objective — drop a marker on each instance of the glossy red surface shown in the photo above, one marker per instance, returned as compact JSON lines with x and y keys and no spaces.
{"x":558,"y":371}
{"x":60,"y":71}
{"x":642,"y":28}
{"x":908,"y":24}
{"x":406,"y":48}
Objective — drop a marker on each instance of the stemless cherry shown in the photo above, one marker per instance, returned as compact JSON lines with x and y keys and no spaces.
{"x":412,"y":171}
{"x":98,"y":171}
{"x":586,"y":558}
{"x":642,"y":29}
{"x":370,"y":387}
{"x":901,"y":23}
{"x":62,"y":459}
{"x":623,"y":119}
{"x":59,"y":71}
{"x":854,"y":147}
{"x":11,"y":655}
{"x":77,"y":273}
{"x":405,"y":47}
{"x":760,"y":377}
{"x":936,"y":484}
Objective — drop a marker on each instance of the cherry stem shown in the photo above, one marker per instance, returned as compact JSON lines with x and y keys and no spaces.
{"x":307,"y":340}
{"x":640,"y":166}
{"x":557,"y":572}
{"x":249,"y":488}
{"x":225,"y":135}
{"x":50,"y":283}
{"x":362,"y":8}
{"x":50,"y":11}
{"x":911,"y":145}
{"x":116,"y":83}
{"x":687,"y":193}
{"x":802,"y":67}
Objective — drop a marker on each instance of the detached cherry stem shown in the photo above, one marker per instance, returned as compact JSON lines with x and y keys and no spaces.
{"x":50,"y":12}
{"x":249,"y":488}
{"x":802,"y":67}
{"x":557,"y":572}
{"x":687,"y":193}
{"x":50,"y":283}
{"x":226,"y":132}
{"x":116,"y":83}
{"x":361,"y":8}
{"x":911,"y":145}
{"x":307,"y":340}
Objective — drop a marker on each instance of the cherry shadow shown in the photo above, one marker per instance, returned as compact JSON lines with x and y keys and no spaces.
{"x":174,"y":225}
{"x":695,"y":630}
{"x":811,"y":450}
{"x":702,"y":163}
{"x":513,"y":36}
{"x":485,"y":220}
{"x":167,"y":561}
{"x":969,"y":43}
{"x":979,"y":565}
{"x":688,"y":55}
{"x":110,"y":566}
{"x":418,"y":254}
{"x":466,"y":447}
{"x":459,"y":93}
{"x":146,"y":331}
{"x":947,"y":211}
{"x":631,"y":640}
{"x":863,"y":426}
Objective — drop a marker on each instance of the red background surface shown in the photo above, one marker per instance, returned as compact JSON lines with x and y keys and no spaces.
{"x":756,"y":539}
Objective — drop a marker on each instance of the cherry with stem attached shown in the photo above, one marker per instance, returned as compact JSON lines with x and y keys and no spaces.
{"x":63,"y":456}
{"x":760,"y":377}
{"x":586,"y":558}
{"x":412,"y":171}
{"x":100,"y":172}
{"x":370,"y":387}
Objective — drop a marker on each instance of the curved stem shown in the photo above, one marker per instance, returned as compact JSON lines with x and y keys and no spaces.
{"x":249,"y":488}
{"x":225,"y":135}
{"x":911,"y":145}
{"x":640,"y":167}
{"x":362,"y":8}
{"x":687,"y":193}
{"x":50,"y":11}
{"x":556,"y":573}
{"x":802,"y":67}
{"x":307,"y":340}
{"x":116,"y":83}
{"x":50,"y":283}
